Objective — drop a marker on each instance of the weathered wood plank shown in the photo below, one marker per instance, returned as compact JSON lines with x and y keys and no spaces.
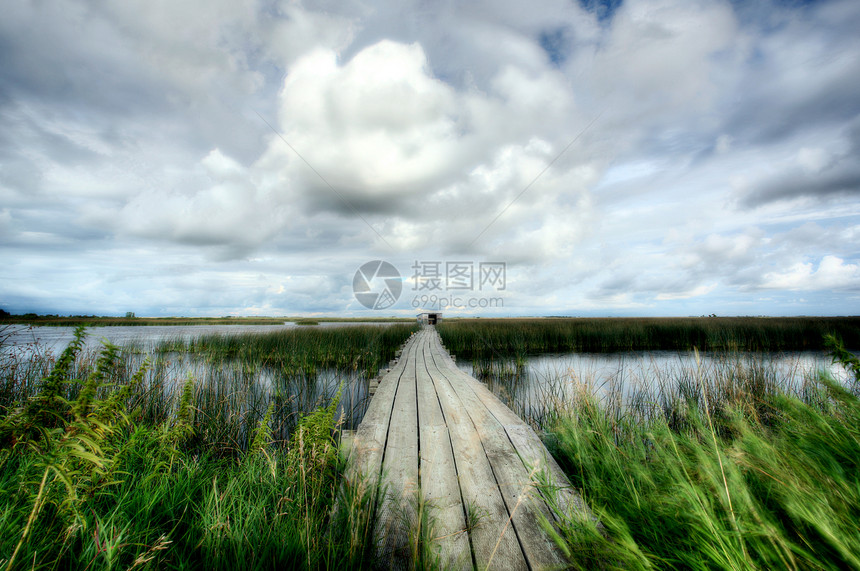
{"x":438,"y":471}
{"x":493,"y":540}
{"x":513,"y":477}
{"x":432,"y":432}
{"x":396,"y":512}
{"x":534,"y":454}
{"x":368,"y":445}
{"x":369,"y":442}
{"x":529,"y":446}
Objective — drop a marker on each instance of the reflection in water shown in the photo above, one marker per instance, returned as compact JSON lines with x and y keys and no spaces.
{"x":146,"y":336}
{"x":229,"y":387}
{"x":535,"y":387}
{"x":230,"y":395}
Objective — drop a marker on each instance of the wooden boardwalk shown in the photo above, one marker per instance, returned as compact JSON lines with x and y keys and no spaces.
{"x":443,"y":445}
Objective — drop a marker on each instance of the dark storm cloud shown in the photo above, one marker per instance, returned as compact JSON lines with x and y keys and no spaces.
{"x":799,"y":72}
{"x":835,"y":175}
{"x":68,"y":57}
{"x":837,"y":181}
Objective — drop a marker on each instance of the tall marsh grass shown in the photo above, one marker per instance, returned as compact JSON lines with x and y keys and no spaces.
{"x":718,"y":465}
{"x":494,"y":338}
{"x":539,"y":388}
{"x":234,"y":379}
{"x":726,"y":472}
{"x":100,"y":470}
{"x":362,"y":349}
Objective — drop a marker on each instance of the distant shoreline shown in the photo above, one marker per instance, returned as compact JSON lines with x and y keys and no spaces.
{"x":99,"y":321}
{"x":103,"y":321}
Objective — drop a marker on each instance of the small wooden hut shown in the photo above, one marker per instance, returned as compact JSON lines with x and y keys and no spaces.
{"x":429,"y":318}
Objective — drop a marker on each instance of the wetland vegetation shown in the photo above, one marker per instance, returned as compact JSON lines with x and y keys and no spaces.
{"x":131,"y":320}
{"x":488,"y":338}
{"x":109,"y":461}
{"x":712,"y":466}
{"x":726,"y":473}
{"x":112,"y":459}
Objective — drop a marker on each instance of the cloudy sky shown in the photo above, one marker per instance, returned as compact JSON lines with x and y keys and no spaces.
{"x":635,"y":157}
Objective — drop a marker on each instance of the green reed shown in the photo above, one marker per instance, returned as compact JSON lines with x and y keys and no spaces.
{"x":356,"y":348}
{"x":101,"y":469}
{"x":501,"y":338}
{"x":233,"y":379}
{"x":718,"y":465}
{"x":728,"y":493}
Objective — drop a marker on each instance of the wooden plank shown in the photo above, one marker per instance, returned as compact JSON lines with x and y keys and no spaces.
{"x":532,"y":451}
{"x":512,"y":476}
{"x":371,"y":433}
{"x":433,"y":431}
{"x":493,"y":541}
{"x":368,"y":448}
{"x":438,"y":471}
{"x":396,"y":514}
{"x":368,"y":445}
{"x":529,"y":446}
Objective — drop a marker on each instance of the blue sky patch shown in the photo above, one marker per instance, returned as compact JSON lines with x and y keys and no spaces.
{"x":603,"y":9}
{"x":556,"y":45}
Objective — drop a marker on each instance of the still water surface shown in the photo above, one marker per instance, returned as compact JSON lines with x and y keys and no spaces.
{"x":529,"y":388}
{"x":57,"y":338}
{"x":301,"y":390}
{"x":541,"y":381}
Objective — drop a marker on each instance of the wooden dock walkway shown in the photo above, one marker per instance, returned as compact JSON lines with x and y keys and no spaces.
{"x":443,"y":445}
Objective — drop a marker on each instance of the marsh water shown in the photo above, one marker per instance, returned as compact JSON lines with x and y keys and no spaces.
{"x":57,"y":338}
{"x":530,"y":386}
{"x":533,"y":385}
{"x":299,"y":391}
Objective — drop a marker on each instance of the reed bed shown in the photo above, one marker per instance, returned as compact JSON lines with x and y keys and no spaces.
{"x":644,"y":388}
{"x":107,"y":462}
{"x":757,"y":479}
{"x":100,"y":321}
{"x":105,"y":321}
{"x":718,"y":465}
{"x":305,"y":350}
{"x":233,"y":379}
{"x":503,"y":338}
